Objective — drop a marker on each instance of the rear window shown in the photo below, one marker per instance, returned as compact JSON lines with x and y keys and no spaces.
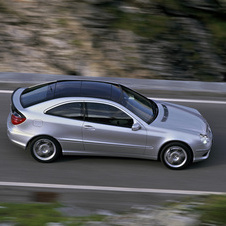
{"x":37,"y":94}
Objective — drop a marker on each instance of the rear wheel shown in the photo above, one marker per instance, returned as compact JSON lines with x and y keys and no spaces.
{"x":45,"y":149}
{"x":176,"y":155}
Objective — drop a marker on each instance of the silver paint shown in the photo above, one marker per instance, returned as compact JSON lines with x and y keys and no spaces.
{"x":173,"y":123}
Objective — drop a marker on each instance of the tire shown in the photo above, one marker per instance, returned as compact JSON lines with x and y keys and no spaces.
{"x":45,"y":149}
{"x":176,"y":156}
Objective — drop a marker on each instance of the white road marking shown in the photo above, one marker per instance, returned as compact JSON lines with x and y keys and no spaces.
{"x":120,"y":189}
{"x":189,"y":100}
{"x":6,"y":91}
{"x":160,"y":99}
{"x":111,"y":189}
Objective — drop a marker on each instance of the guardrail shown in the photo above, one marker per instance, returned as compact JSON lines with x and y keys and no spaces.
{"x":147,"y":86}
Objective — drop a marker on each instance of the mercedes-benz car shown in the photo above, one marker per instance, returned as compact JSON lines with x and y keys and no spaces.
{"x":80,"y":117}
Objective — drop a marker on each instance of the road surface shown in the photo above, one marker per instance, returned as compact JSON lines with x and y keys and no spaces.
{"x":17,"y":166}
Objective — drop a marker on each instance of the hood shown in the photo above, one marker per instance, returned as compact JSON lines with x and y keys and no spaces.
{"x":182,"y":118}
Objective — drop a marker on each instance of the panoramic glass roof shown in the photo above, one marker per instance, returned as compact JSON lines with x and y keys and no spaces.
{"x":73,"y":88}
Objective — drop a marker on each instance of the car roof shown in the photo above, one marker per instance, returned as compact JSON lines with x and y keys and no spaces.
{"x":70,"y":88}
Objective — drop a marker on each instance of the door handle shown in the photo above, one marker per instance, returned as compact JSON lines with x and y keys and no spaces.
{"x":88,"y":127}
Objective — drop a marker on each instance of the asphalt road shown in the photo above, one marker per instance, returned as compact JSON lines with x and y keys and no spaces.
{"x":16,"y":165}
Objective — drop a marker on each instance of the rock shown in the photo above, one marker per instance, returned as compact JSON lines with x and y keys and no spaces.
{"x":153,"y":217}
{"x":139,"y":39}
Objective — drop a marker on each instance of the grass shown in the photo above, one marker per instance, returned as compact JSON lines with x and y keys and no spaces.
{"x":4,"y":8}
{"x":77,"y":43}
{"x":29,"y":214}
{"x":171,"y":4}
{"x":213,"y":210}
{"x":210,"y":209}
{"x":217,"y":28}
{"x":62,"y":22}
{"x":146,"y":25}
{"x":39,"y":214}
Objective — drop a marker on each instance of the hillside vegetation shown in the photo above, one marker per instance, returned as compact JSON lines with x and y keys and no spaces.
{"x":159,"y":39}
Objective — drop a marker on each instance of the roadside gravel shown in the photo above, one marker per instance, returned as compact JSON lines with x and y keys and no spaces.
{"x":180,"y":215}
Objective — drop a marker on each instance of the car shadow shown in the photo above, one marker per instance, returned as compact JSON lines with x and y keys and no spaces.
{"x":110,"y":160}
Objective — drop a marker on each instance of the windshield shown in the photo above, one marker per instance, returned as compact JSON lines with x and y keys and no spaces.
{"x":141,"y":106}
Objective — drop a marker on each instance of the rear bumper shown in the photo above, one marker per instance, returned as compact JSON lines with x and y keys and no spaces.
{"x":16,"y":136}
{"x":15,"y":139}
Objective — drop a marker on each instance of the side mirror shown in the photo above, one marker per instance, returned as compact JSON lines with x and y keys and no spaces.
{"x":136,"y":126}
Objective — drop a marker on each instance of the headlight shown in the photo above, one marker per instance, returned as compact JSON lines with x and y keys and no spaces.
{"x":204,"y":138}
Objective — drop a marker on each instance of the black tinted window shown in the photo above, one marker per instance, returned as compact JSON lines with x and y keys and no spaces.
{"x":116,"y":93}
{"x":107,"y":114}
{"x":96,"y":89}
{"x":138,"y":104}
{"x":67,"y":89}
{"x":70,"y":110}
{"x":37,"y":94}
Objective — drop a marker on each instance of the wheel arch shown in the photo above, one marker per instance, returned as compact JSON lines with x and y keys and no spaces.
{"x":174,"y":141}
{"x":43,"y":135}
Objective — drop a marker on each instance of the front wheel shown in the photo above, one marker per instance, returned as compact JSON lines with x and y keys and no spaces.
{"x":176,"y":156}
{"x":45,"y":149}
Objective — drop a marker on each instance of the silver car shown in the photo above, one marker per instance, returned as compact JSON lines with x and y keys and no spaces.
{"x":79,"y":117}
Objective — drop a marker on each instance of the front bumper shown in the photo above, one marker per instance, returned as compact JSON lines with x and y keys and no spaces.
{"x":201,"y":155}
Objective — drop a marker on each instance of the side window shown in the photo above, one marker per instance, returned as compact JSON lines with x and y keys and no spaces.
{"x":107,"y":114}
{"x":70,"y":110}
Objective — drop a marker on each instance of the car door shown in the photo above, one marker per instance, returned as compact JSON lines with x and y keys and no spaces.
{"x":107,"y":130}
{"x":65,"y":122}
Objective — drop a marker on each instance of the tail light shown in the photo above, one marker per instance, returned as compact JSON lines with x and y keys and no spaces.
{"x":17,"y":118}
